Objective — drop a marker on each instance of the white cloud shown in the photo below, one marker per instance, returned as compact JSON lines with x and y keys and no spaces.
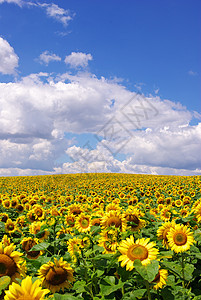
{"x":52,"y":10}
{"x":47,"y":57}
{"x":8,"y":58}
{"x":18,"y":2}
{"x":78,"y":59}
{"x":59,"y":14}
{"x":36,"y":112}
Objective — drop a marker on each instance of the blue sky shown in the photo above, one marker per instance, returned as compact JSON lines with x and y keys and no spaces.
{"x":62,"y":65}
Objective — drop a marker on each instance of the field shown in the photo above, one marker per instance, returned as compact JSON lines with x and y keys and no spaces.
{"x":100,"y":236}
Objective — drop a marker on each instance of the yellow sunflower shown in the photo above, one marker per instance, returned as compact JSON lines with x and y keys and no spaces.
{"x":5,"y":240}
{"x":109,"y":240}
{"x":27,"y":290}
{"x":11,"y":262}
{"x":27,"y":244}
{"x":132,"y":216}
{"x":114,"y":218}
{"x":197,"y":210}
{"x":10,"y":226}
{"x":74,"y":248}
{"x":4,"y":217}
{"x":75,"y":209}
{"x":165,"y":214}
{"x":70,"y":220}
{"x":39,"y":212}
{"x":180,"y":238}
{"x":160,"y":279}
{"x":83,"y":223}
{"x":141,"y":249}
{"x":163,"y":231}
{"x":56,"y":275}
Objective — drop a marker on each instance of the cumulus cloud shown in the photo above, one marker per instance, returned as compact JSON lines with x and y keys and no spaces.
{"x":47,"y":57}
{"x":78,"y":59}
{"x":8,"y":58}
{"x":154,"y":135}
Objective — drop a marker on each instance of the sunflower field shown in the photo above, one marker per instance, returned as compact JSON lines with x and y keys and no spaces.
{"x":100,"y":236}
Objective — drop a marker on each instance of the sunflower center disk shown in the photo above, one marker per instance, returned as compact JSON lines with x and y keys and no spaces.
{"x":114,"y":221}
{"x":56,"y":276}
{"x":180,"y":239}
{"x":7,"y":266}
{"x":85,"y":223}
{"x":137,"y":252}
{"x":135,"y":220}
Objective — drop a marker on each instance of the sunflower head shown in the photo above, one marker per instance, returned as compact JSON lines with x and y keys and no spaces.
{"x":83,"y":223}
{"x":56,"y":275}
{"x":141,"y":249}
{"x":163,"y":231}
{"x":180,"y":238}
{"x":26,"y":291}
{"x":160,"y":279}
{"x":11,"y":263}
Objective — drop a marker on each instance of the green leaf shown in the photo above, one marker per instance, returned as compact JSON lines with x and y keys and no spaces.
{"x":148,"y":272}
{"x":139,"y":293}
{"x":166,"y":293}
{"x":64,"y":297}
{"x":197,"y":255}
{"x":79,"y":286}
{"x":107,"y":289}
{"x":4,"y":282}
{"x":188,"y":271}
{"x":2,"y":226}
{"x":40,"y":247}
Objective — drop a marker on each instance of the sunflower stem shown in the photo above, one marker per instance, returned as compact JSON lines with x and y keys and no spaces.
{"x":148,"y":289}
{"x":182,"y":265}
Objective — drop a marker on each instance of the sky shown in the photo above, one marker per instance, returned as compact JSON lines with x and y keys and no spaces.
{"x":100,"y":86}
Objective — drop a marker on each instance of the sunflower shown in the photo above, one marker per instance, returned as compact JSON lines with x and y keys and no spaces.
{"x":6,"y":203}
{"x":109,"y":246}
{"x":141,"y":249}
{"x":5,"y":240}
{"x":165,"y":214}
{"x":109,"y":240}
{"x":180,"y":238}
{"x":31,"y":216}
{"x":10,"y":226}
{"x":39,"y":212}
{"x":160,"y":279}
{"x":11,"y":263}
{"x":74,"y":248}
{"x":112,"y":206}
{"x":178,"y":202}
{"x":64,"y":231}
{"x":20,"y":208}
{"x":113,"y":218}
{"x":83,"y":223}
{"x":75,"y":209}
{"x":96,"y":222}
{"x":70,"y":220}
{"x":163,"y":231}
{"x":132,"y":216}
{"x":56,"y":275}
{"x":197,"y":211}
{"x":27,"y":290}
{"x":27,"y":244}
{"x":4,"y":217}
